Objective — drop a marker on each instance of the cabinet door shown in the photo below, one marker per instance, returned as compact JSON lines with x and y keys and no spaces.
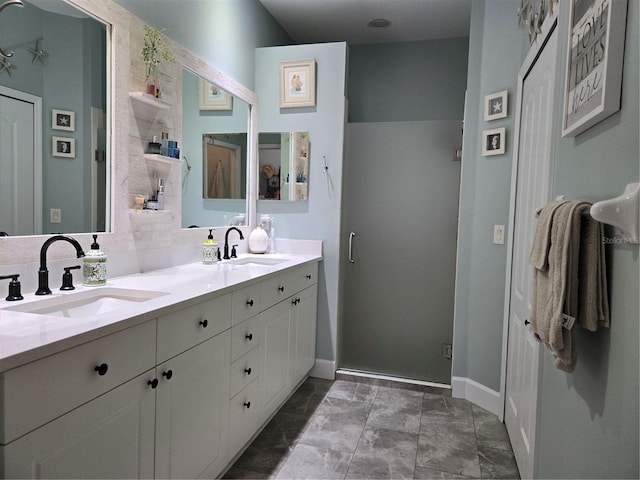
{"x":303,"y":333}
{"x":192,"y":420}
{"x":109,"y":437}
{"x":275,"y":380}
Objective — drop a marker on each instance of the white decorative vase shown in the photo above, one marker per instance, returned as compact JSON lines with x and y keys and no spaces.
{"x":258,"y":240}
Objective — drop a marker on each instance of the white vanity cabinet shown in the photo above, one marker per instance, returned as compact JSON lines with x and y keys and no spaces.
{"x":192,"y":411}
{"x":287,"y":335}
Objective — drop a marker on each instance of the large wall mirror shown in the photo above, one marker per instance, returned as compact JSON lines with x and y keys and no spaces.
{"x":54,"y":155}
{"x":215,"y":143}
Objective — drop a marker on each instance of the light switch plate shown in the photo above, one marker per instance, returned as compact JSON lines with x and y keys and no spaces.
{"x":498,"y":234}
{"x":55,"y":215}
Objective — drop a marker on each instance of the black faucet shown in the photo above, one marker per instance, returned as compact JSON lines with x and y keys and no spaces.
{"x":226,"y":242}
{"x":43,"y":272}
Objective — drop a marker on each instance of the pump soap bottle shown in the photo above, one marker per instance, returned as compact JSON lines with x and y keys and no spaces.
{"x":210,"y":249}
{"x":94,"y":265}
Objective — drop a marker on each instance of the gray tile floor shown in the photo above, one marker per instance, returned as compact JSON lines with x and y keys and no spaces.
{"x":349,"y":430}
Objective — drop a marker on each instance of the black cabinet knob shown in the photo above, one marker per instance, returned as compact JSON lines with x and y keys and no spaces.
{"x":249,"y":336}
{"x":168,"y":374}
{"x":281,"y":288}
{"x":247,"y":371}
{"x":204,"y":323}
{"x":250,"y":303}
{"x":527,"y":322}
{"x":153,"y":383}
{"x":308,"y":277}
{"x":247,"y":404}
{"x":102,"y":369}
{"x":295,"y":301}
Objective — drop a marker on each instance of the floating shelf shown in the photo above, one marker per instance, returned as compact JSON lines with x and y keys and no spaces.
{"x":147,"y":106}
{"x":162,"y":158}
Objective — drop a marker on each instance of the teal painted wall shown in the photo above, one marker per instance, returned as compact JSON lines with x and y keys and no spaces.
{"x":408,"y":81}
{"x":224,"y":33}
{"x":588,"y":420}
{"x":319,"y":217}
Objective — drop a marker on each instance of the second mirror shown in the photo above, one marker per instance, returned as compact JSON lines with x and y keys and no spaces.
{"x":283,"y":163}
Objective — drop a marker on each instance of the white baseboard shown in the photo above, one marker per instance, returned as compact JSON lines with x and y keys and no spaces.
{"x":477,"y":393}
{"x":324,"y":369}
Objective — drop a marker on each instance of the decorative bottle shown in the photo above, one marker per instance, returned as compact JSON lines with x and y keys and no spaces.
{"x":94,"y":265}
{"x":210,"y":249}
{"x":258,"y":240}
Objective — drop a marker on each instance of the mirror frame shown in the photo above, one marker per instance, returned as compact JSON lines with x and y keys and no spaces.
{"x":202,"y":69}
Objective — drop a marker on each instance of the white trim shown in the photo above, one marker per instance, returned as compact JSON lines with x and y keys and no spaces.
{"x":324,"y":369}
{"x":478,"y":394}
{"x":358,"y":373}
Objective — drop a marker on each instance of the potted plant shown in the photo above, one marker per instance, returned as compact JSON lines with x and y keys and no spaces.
{"x":155,"y":49}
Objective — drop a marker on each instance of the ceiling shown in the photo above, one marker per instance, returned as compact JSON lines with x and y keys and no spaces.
{"x":318,"y":21}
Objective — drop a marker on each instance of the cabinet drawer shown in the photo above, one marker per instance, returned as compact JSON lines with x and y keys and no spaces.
{"x":244,"y":337}
{"x":190,"y":326}
{"x":243,"y":421}
{"x":304,"y":276}
{"x":275,"y":289}
{"x":38,"y":392}
{"x":244,"y":371}
{"x":245,"y":303}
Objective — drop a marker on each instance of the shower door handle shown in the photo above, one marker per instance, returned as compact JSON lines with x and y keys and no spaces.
{"x":351,"y":235}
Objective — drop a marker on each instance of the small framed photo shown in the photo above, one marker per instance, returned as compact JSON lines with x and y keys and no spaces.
{"x":298,"y":83}
{"x":63,"y":120}
{"x":495,"y":106}
{"x":212,"y":97}
{"x":63,"y":147}
{"x":493,"y":142}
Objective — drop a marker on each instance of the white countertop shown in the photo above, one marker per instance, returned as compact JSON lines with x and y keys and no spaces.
{"x":25,"y":337}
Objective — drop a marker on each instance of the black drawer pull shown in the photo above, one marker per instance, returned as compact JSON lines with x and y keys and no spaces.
{"x":153,"y":383}
{"x":204,"y":323}
{"x":249,"y":336}
{"x":281,"y":288}
{"x":247,"y":371}
{"x":102,"y":369}
{"x":308,"y":277}
{"x":527,"y":322}
{"x":168,"y":374}
{"x":247,"y":404}
{"x":250,"y":302}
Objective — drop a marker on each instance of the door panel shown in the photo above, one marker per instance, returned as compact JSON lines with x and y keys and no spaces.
{"x":401,"y":202}
{"x":532,"y":191}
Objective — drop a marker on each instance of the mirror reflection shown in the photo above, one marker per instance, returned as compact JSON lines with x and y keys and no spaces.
{"x":283,"y":163}
{"x":53,"y":111}
{"x":214,"y":144}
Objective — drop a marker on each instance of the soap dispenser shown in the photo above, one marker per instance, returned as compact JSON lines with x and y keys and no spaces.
{"x":94,"y":266}
{"x":210,"y":249}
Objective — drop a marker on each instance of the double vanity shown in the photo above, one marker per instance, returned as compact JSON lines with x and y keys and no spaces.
{"x":164,"y":374}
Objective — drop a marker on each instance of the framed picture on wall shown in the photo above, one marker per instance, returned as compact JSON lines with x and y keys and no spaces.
{"x":212,"y":97}
{"x":493,"y":142}
{"x":63,"y":120}
{"x":298,"y":83}
{"x":63,"y":147}
{"x":495,"y":105}
{"x":594,"y":63}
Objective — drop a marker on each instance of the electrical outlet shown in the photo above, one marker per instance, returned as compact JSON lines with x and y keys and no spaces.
{"x":55,"y":215}
{"x":498,"y":234}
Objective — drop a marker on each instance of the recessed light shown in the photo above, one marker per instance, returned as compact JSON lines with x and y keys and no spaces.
{"x":379,"y":23}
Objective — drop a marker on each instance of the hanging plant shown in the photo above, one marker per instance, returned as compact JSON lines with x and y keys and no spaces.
{"x":155,"y":49}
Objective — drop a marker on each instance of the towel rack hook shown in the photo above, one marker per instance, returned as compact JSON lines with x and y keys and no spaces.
{"x":621,"y":212}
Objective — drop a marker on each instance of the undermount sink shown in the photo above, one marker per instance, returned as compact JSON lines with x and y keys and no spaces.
{"x":86,"y":303}
{"x":258,"y":261}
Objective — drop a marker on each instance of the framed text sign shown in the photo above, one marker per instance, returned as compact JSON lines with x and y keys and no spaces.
{"x":594,"y":63}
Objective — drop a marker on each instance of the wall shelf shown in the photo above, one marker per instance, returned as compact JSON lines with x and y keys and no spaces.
{"x":146,"y":106}
{"x":162,"y":159}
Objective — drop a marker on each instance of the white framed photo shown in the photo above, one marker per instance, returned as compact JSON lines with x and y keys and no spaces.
{"x":495,"y":105}
{"x":63,"y":147}
{"x":212,"y":97}
{"x":298,"y":83}
{"x":594,"y":63}
{"x":63,"y":120}
{"x":493,"y":141}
